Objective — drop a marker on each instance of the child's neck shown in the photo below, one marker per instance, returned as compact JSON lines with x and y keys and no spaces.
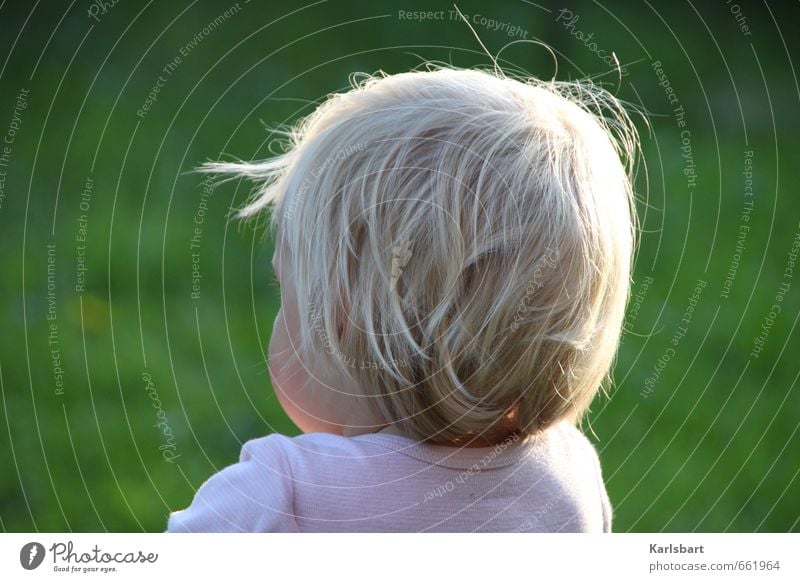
{"x":469,"y":442}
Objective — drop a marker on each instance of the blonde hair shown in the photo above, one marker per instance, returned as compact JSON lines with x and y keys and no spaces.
{"x":461,"y":244}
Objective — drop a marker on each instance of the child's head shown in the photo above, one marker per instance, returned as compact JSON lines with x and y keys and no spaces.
{"x":454,"y":250}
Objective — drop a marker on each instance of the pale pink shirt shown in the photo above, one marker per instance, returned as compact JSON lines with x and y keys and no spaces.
{"x":319,"y":482}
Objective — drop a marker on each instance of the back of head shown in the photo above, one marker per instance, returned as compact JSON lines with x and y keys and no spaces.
{"x":464,"y":240}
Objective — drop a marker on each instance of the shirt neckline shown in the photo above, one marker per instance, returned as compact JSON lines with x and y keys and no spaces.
{"x":503,"y":454}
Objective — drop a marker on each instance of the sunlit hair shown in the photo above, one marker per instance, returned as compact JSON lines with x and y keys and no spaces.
{"x":461,"y":243}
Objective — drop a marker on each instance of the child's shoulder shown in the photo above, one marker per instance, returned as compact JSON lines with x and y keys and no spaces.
{"x":314,"y":450}
{"x":571,"y":435}
{"x":317,"y":443}
{"x":568,"y":444}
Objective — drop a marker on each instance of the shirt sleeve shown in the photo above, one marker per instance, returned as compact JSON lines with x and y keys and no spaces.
{"x":607,"y":511}
{"x":254,"y":495}
{"x":605,"y":502}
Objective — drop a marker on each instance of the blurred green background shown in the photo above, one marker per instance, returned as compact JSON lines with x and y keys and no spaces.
{"x":160,"y":388}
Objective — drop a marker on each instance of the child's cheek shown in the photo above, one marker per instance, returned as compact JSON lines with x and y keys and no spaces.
{"x":291,"y":382}
{"x":283,"y":369}
{"x":281,"y":355}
